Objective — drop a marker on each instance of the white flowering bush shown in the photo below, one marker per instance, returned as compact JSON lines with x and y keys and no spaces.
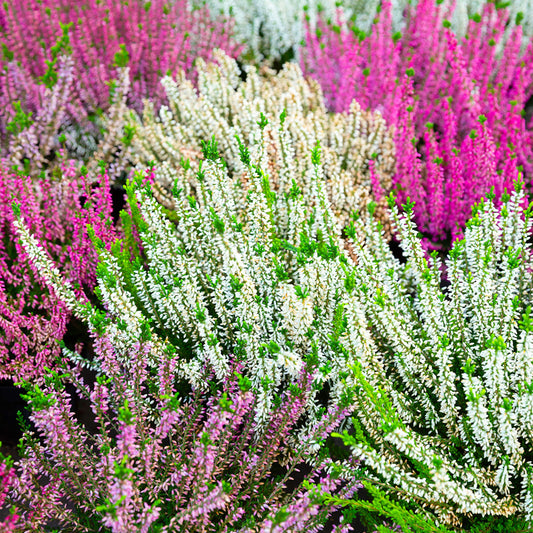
{"x":443,"y":397}
{"x":280,"y":117}
{"x":234,"y":271}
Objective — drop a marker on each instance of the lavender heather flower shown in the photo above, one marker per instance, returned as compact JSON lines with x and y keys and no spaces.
{"x":160,"y":457}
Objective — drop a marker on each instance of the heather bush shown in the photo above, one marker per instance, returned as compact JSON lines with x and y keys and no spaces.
{"x":457,"y":106}
{"x":279,"y":117}
{"x":32,"y":140}
{"x":159,"y":458}
{"x":248,"y":316}
{"x":274,"y":30}
{"x":201,"y":298}
{"x":432,"y":361}
{"x":233,"y":270}
{"x":442,"y":411}
{"x":153,"y":38}
{"x":32,"y":319}
{"x":36,"y":145}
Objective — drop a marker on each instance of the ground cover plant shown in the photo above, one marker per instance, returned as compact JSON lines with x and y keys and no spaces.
{"x":275,"y":30}
{"x":465,"y":439}
{"x":41,"y":144}
{"x":186,"y":285}
{"x":235,"y":270}
{"x":258,"y":329}
{"x":457,"y":105}
{"x":159,"y":459}
{"x":153,"y":38}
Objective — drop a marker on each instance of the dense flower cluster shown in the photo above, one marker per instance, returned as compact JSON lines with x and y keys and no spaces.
{"x":236,"y":270}
{"x":273,"y":29}
{"x":456,"y":401}
{"x":31,"y":319}
{"x":457,"y":105}
{"x":99,"y":37}
{"x":160,"y":459}
{"x":218,"y":307}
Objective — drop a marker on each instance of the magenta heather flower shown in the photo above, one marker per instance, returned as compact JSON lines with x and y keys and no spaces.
{"x":154,"y":38}
{"x":457,"y":105}
{"x":31,"y":317}
{"x":8,"y":478}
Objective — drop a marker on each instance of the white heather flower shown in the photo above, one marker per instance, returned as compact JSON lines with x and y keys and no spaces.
{"x":47,"y":269}
{"x":447,"y":403}
{"x":297,"y":312}
{"x":296,"y":120}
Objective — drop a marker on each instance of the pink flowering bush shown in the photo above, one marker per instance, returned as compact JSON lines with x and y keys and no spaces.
{"x":57,"y":208}
{"x":457,"y":105}
{"x":7,"y":479}
{"x":159,"y":458}
{"x":31,"y":140}
{"x":153,"y":38}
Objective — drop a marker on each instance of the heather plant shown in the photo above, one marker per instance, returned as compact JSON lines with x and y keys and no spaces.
{"x":36,"y":145}
{"x":153,"y":38}
{"x":7,"y":478}
{"x":196,"y":299}
{"x":234,"y":270}
{"x":516,"y":13}
{"x":159,"y":458}
{"x":442,"y":412}
{"x":431,"y":360}
{"x":279,"y":117}
{"x":457,"y":106}
{"x":275,"y":30}
{"x":32,"y":319}
{"x":32,"y":141}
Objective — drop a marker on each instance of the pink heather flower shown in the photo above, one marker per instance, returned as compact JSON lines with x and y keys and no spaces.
{"x":127,"y":441}
{"x":99,"y":400}
{"x":153,"y":38}
{"x":31,"y":318}
{"x":455,"y":105}
{"x":10,"y":523}
{"x":204,"y":504}
{"x":163,"y":457}
{"x":7,"y":478}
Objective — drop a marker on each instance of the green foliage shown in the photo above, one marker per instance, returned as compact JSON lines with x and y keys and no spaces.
{"x":62,"y":47}
{"x":21,"y":120}
{"x":122,"y":57}
{"x":210,"y":149}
